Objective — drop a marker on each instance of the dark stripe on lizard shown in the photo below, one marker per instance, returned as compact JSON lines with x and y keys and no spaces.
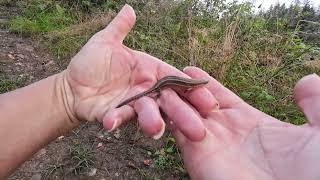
{"x":165,"y":82}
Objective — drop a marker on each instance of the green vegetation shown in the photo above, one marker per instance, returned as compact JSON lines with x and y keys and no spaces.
{"x":40,"y":17}
{"x":79,"y":160}
{"x":7,"y":84}
{"x":167,"y":157}
{"x":51,"y":168}
{"x":82,"y":158}
{"x":259,"y":56}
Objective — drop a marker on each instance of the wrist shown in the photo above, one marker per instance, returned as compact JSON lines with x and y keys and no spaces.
{"x":33,"y":116}
{"x":65,"y":99}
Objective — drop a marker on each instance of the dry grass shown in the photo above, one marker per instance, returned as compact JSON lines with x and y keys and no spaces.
{"x":85,"y":28}
{"x":66,"y":42}
{"x":228,"y":46}
{"x":229,"y":38}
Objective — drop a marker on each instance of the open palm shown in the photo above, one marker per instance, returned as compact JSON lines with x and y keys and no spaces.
{"x":244,"y":143}
{"x":105,"y":72}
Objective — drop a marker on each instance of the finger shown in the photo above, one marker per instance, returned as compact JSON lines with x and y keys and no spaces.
{"x":223,"y":95}
{"x":307,"y":96}
{"x":202,"y":100}
{"x":183,"y":116}
{"x":121,"y":25}
{"x":115,"y":117}
{"x":200,"y":97}
{"x":149,"y":117}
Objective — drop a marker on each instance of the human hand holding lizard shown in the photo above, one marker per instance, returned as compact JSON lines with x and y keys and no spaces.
{"x":99,"y":77}
{"x":105,"y":72}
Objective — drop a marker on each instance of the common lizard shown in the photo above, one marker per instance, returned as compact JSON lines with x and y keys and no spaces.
{"x":165,"y":82}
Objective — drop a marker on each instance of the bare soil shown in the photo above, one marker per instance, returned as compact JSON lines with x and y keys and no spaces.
{"x":123,"y":154}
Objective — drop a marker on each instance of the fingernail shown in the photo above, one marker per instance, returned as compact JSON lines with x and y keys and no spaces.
{"x":315,"y":75}
{"x":159,"y":135}
{"x":125,"y":6}
{"x":115,"y":124}
{"x":186,"y":68}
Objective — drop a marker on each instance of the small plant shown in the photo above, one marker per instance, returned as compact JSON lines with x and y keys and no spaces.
{"x":168,"y":157}
{"x":163,"y":162}
{"x":8,"y":84}
{"x":82,"y":158}
{"x":51,"y":168}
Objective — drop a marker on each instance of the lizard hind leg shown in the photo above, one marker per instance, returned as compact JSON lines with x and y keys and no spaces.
{"x":156,"y":94}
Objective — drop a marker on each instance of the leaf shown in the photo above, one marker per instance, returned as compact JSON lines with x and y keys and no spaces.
{"x":245,"y":94}
{"x":59,"y":9}
{"x":269,"y":97}
{"x":87,"y":3}
{"x":171,"y":139}
{"x":42,"y":7}
{"x":170,"y":149}
{"x":177,"y":27}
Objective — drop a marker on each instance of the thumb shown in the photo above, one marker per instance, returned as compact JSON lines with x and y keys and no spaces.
{"x":121,"y":25}
{"x":307,"y":96}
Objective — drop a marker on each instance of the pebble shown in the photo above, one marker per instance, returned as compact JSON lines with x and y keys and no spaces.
{"x":11,"y":56}
{"x":117,"y":134}
{"x":42,"y":151}
{"x":49,"y":63}
{"x":92,"y":172}
{"x":20,"y":56}
{"x":60,"y":138}
{"x":147,"y":162}
{"x":99,"y":145}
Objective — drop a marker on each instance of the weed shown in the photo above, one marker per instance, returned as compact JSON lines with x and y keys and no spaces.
{"x":82,"y":158}
{"x":168,"y":157}
{"x":8,"y":84}
{"x":40,"y":16}
{"x":146,"y":175}
{"x":67,"y":41}
{"x":53,"y":168}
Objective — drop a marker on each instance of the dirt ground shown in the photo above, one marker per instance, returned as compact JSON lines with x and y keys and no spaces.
{"x":88,"y":152}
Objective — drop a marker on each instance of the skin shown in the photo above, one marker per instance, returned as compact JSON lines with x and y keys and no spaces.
{"x":99,"y":77}
{"x":235,"y":141}
{"x":116,"y":73}
{"x":244,"y":143}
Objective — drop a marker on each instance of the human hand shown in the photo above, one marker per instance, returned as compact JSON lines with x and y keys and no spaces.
{"x":105,"y":72}
{"x":244,"y":143}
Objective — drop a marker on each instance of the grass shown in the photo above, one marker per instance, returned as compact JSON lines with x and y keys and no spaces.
{"x":67,"y":41}
{"x":82,"y":158}
{"x":62,"y":31}
{"x":79,"y":160}
{"x":51,"y":168}
{"x":9,"y":84}
{"x":40,"y":18}
{"x":168,"y":157}
{"x":239,"y":50}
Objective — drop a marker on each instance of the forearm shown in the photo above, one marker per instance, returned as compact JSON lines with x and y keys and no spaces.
{"x":30,"y":118}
